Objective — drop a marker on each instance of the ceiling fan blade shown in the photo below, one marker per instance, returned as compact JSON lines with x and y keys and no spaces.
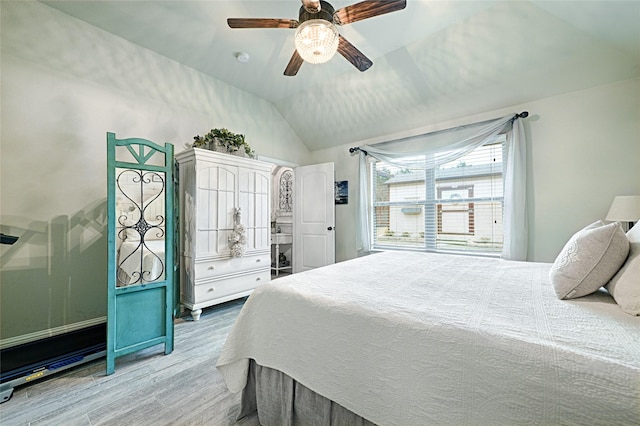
{"x":366,"y":9}
{"x":261,"y":23}
{"x":353,"y":55}
{"x":294,"y":64}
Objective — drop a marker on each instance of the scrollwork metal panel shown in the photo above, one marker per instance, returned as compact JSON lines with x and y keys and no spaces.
{"x":140,"y":226}
{"x":286,"y":192}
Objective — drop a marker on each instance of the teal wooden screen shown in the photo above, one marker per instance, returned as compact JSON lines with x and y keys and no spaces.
{"x":141,"y":232}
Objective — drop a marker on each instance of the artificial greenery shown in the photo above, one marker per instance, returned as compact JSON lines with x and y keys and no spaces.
{"x":229,"y":141}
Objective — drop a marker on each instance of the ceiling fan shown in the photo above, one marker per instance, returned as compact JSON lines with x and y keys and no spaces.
{"x":317,"y":37}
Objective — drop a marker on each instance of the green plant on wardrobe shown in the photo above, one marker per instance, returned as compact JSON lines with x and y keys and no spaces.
{"x":223,"y":140}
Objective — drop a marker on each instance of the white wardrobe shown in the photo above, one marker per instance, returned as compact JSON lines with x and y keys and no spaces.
{"x":212,"y":187}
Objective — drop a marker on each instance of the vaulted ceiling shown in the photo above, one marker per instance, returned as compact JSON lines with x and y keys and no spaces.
{"x":432,"y":61}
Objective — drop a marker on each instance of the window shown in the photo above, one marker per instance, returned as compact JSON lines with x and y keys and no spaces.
{"x":456,"y":207}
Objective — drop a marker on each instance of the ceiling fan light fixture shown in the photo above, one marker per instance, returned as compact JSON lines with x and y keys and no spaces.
{"x":317,"y":40}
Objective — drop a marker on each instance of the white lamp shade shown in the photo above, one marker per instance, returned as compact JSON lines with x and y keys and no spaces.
{"x":316,"y":40}
{"x":625,"y":208}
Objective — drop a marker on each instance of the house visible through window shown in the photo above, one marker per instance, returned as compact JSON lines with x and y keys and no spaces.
{"x":456,"y":207}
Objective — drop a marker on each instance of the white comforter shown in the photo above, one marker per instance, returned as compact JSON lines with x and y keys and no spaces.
{"x":415,"y":338}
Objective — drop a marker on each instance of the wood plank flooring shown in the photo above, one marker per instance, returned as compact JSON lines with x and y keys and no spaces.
{"x":147,"y":388}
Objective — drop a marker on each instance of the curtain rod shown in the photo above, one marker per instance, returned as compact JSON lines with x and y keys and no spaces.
{"x":523,"y":114}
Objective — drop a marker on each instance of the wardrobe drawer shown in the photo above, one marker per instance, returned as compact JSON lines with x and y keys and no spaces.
{"x":215,"y":268}
{"x":227,"y":286}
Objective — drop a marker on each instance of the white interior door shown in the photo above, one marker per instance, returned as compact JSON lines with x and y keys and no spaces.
{"x":314,"y":217}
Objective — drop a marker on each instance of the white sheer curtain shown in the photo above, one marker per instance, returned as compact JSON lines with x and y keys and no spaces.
{"x":516,"y":227}
{"x":434,"y":149}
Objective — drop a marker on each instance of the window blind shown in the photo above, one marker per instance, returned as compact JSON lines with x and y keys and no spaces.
{"x":456,"y":207}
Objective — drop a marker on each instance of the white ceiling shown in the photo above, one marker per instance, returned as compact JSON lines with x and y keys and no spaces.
{"x":433,"y":61}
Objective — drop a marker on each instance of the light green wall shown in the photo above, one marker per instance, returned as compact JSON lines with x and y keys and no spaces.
{"x":584,"y":150}
{"x":64,"y":85}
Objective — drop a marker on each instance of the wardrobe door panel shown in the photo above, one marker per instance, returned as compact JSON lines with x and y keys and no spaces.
{"x":254,"y":198}
{"x":216,"y":200}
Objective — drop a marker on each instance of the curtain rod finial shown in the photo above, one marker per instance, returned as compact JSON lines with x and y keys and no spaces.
{"x":357,"y":148}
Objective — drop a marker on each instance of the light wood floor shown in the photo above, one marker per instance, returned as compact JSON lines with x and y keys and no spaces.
{"x":147,"y":388}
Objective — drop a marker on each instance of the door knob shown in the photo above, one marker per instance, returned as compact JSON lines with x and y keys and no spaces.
{"x":330,"y":228}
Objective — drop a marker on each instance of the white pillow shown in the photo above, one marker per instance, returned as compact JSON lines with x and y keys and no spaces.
{"x":625,"y":285}
{"x":589,"y":260}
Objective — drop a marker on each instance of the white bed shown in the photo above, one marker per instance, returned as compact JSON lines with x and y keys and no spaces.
{"x":416,"y":338}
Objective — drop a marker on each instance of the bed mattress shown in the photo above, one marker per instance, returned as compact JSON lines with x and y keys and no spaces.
{"x":419,"y":338}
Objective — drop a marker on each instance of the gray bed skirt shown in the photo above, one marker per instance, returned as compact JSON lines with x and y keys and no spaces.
{"x":279,"y":400}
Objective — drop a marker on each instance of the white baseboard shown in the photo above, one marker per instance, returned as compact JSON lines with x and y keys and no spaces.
{"x":31,"y":337}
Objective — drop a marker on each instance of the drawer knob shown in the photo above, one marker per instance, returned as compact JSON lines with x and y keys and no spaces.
{"x":211,"y":268}
{"x":211,"y":290}
{"x":258,"y":260}
{"x":258,"y":279}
